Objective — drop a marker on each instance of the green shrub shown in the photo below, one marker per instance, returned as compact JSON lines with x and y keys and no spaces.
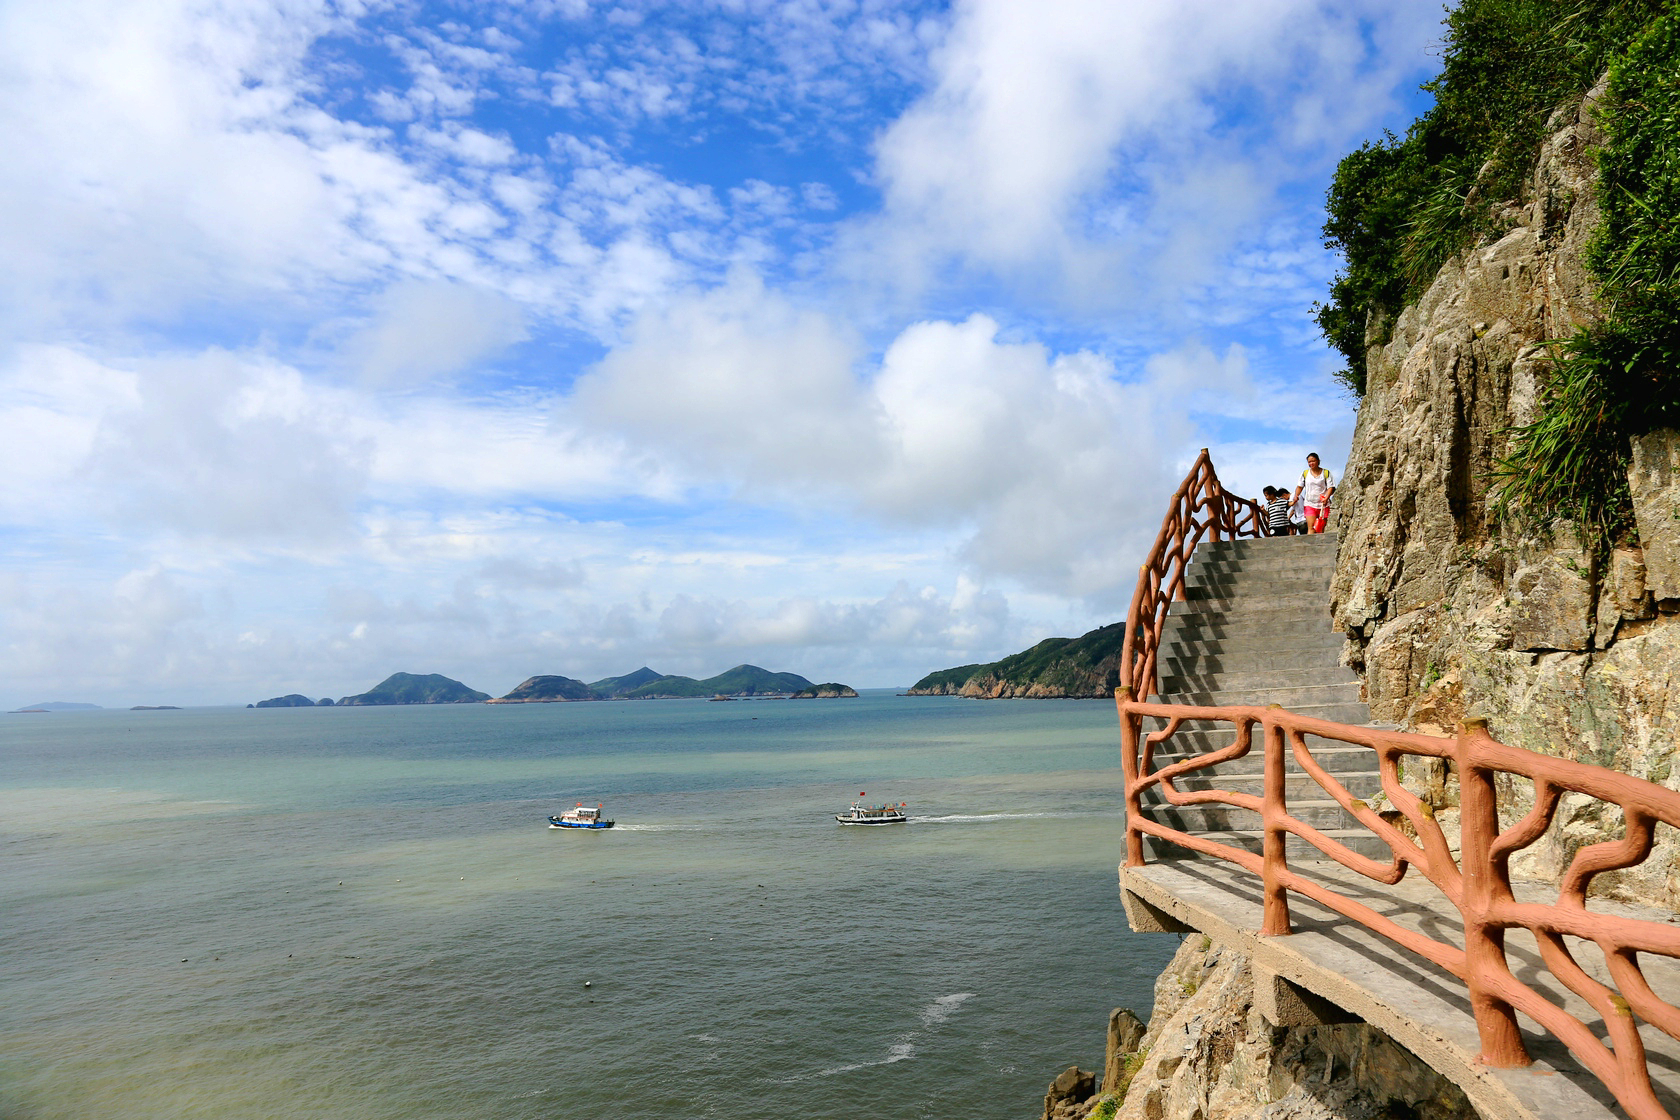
{"x":1106,"y":1110}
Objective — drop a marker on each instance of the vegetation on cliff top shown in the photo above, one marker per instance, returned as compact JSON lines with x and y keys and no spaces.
{"x":1398,"y":208}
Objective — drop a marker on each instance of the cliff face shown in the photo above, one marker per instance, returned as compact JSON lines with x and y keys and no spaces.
{"x":1209,"y":1054}
{"x":1450,"y":614}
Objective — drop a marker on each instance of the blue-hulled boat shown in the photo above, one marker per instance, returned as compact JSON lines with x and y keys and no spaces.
{"x":580,"y":817}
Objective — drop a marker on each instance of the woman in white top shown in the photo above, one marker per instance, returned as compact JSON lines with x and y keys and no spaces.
{"x":1314,"y":494}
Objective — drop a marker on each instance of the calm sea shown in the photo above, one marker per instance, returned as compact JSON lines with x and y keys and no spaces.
{"x":361,"y":912}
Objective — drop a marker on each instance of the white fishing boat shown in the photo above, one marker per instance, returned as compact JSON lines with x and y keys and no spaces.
{"x":860,"y":813}
{"x":580,"y":816}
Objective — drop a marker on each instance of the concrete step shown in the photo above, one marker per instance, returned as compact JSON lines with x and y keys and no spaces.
{"x":1293,"y":697}
{"x":1344,"y":767}
{"x":1330,"y":753}
{"x":1358,"y":714}
{"x":1257,"y":610}
{"x":1220,"y":681}
{"x":1269,"y":562}
{"x":1242,"y":546}
{"x":1200,"y":663}
{"x":1323,"y":813}
{"x":1194,"y":644}
{"x":1297,"y":785}
{"x":1192,"y":625}
{"x":1241,"y":584}
{"x":1291,"y":634}
{"x":1295,"y":849}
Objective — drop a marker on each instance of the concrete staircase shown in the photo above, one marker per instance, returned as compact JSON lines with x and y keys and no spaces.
{"x":1254,"y":628}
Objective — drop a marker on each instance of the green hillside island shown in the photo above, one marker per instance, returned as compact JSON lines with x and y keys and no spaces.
{"x":411,"y":688}
{"x":743,"y":680}
{"x":1056,"y":668}
{"x":547,"y":690}
{"x":610,"y":688}
{"x":645,"y":684}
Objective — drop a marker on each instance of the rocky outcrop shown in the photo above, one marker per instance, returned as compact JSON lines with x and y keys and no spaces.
{"x":830,"y":691}
{"x":1208,"y":1053}
{"x":1451,"y":614}
{"x":1071,"y":1095}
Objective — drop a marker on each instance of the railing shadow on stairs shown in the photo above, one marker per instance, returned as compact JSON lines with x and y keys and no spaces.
{"x":1477,"y":883}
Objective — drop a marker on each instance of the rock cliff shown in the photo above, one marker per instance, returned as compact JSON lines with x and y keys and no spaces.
{"x":1451,"y":614}
{"x":1209,"y":1054}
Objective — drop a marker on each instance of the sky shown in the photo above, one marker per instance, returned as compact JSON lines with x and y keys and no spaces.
{"x":849,"y":338}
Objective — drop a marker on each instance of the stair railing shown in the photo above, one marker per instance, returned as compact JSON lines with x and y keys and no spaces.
{"x":1200,"y":508}
{"x":1477,"y":882}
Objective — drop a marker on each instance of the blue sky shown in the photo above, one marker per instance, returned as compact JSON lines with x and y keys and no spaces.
{"x":855,"y":339}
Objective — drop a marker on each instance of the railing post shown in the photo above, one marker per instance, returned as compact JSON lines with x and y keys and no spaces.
{"x":1484,"y":943}
{"x":1131,"y":725}
{"x":1274,"y":808}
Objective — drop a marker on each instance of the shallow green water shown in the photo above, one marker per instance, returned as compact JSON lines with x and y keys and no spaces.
{"x":361,"y":913}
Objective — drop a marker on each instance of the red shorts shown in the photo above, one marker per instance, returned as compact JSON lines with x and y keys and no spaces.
{"x":1316,"y":518}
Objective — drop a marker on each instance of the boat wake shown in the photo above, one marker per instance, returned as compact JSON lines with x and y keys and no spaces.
{"x":660,"y":828}
{"x":974,"y":818}
{"x":935,"y":1013}
{"x":897,"y":1052}
{"x":943,"y":1008}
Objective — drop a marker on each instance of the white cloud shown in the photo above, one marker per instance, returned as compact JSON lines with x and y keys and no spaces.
{"x":1049,"y":464}
{"x":740,"y":381}
{"x":1089,"y":144}
{"x":425,"y":329}
{"x":217,"y":447}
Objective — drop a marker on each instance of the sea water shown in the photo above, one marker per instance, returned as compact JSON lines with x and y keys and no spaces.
{"x":361,"y":912}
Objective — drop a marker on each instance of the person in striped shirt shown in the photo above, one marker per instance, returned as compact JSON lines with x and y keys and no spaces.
{"x":1277,"y":511}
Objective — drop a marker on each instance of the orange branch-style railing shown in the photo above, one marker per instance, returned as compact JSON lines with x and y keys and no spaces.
{"x":1477,"y":882}
{"x":1200,"y":509}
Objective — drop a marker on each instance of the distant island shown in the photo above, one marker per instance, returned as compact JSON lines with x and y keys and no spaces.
{"x":646,"y":684}
{"x":57,"y":706}
{"x":412,"y":688}
{"x":1056,"y":668}
{"x":829,"y":691}
{"x":155,"y":708}
{"x":295,"y":700}
{"x":643,"y":684}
